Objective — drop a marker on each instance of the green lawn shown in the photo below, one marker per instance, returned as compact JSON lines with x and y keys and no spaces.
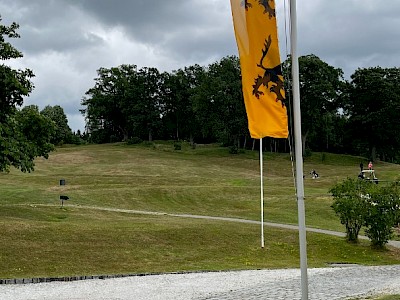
{"x":41,"y":239}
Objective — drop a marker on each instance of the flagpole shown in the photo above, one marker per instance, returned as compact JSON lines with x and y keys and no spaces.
{"x":262,"y":194}
{"x":298,"y":151}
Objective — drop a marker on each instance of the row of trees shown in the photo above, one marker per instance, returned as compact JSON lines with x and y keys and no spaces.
{"x":194,"y":103}
{"x":205,"y":104}
{"x":201,"y":104}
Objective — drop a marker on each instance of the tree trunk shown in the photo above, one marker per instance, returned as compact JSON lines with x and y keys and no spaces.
{"x":125,"y":134}
{"x":303,"y":142}
{"x":177,"y":130}
{"x":191,"y":139}
{"x":373,"y":153}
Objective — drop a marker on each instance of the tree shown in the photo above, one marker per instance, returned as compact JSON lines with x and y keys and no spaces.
{"x":382,"y":214}
{"x":178,"y":115}
{"x":350,"y":205}
{"x":124,"y":102}
{"x":62,"y":133}
{"x":218,"y":102}
{"x":362,"y":203}
{"x":106,"y":101}
{"x":373,"y":108}
{"x":24,"y":134}
{"x":145,"y":111}
{"x":321,"y":87}
{"x":14,"y":84}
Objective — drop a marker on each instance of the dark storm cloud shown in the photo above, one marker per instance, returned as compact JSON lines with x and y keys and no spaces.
{"x":47,"y":26}
{"x":65,"y":41}
{"x":181,"y":29}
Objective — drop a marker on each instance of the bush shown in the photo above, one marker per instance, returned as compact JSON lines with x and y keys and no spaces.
{"x":233,"y":149}
{"x":361,"y":203}
{"x":148,"y":144}
{"x":350,"y":205}
{"x":134,"y":140}
{"x":307,"y":152}
{"x":177,"y":145}
{"x":382,"y":214}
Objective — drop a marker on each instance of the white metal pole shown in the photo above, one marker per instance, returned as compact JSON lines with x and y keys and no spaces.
{"x":298,"y":151}
{"x":262,"y":194}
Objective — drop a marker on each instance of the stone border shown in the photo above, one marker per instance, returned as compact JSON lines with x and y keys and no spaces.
{"x":78,"y":278}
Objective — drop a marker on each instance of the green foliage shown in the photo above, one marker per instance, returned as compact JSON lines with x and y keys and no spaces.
{"x":24,"y":134}
{"x":178,"y":116}
{"x":307,"y":152}
{"x":177,"y":146}
{"x":383,"y":211}
{"x":14,"y":84}
{"x":362,"y":203}
{"x":233,"y":149}
{"x":194,"y":103}
{"x":218,"y":102}
{"x":124,"y":100}
{"x":62,"y":133}
{"x":134,"y":140}
{"x":321,"y":86}
{"x":373,"y":108}
{"x":350,"y":205}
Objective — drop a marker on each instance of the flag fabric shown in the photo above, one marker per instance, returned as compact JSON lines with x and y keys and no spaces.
{"x":262,"y":80}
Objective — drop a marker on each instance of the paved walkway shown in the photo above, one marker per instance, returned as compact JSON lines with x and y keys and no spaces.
{"x":324,"y":284}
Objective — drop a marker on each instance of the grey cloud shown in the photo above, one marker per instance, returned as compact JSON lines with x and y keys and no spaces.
{"x":353,"y":33}
{"x":66,"y":41}
{"x":49,"y":26}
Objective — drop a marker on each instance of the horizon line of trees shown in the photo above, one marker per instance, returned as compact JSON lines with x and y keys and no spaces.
{"x":205,"y":104}
{"x":201,"y":105}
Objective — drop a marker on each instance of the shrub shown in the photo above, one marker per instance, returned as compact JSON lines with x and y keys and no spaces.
{"x":177,"y":145}
{"x":149,"y":144}
{"x":350,"y":205}
{"x":134,"y":140}
{"x":233,"y":149}
{"x":361,"y":203}
{"x":307,"y":152}
{"x":382,"y":214}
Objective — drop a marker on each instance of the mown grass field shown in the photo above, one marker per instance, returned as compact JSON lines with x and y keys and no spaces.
{"x":39,"y":238}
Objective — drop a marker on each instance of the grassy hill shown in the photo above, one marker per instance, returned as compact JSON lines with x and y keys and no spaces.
{"x":41,"y":238}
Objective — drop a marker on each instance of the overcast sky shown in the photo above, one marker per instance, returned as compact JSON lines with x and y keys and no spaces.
{"x":66,"y":41}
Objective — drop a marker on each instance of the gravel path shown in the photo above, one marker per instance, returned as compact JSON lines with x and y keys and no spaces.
{"x":324,"y":283}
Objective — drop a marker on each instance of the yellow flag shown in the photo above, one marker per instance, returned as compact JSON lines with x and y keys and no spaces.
{"x":257,"y":38}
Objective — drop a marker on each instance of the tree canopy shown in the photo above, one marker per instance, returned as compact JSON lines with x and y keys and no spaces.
{"x":62,"y":132}
{"x":373,"y":108}
{"x":24,"y":134}
{"x":321,"y":87}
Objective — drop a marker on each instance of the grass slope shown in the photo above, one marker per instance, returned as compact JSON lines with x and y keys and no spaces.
{"x":41,"y":239}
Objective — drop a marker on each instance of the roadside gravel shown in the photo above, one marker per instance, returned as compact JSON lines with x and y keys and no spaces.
{"x":324,"y":283}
